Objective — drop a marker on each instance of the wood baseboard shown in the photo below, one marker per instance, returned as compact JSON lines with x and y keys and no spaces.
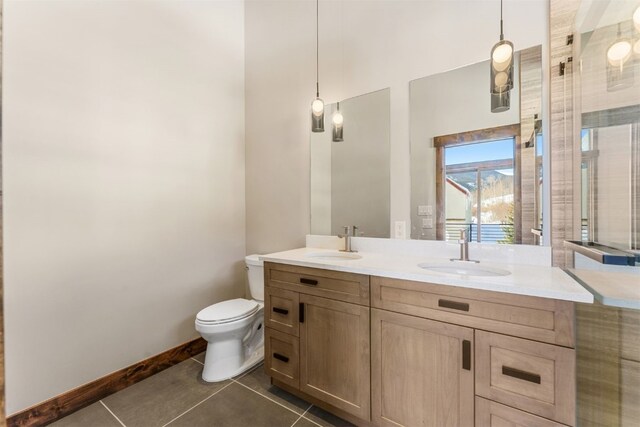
{"x":73,"y":400}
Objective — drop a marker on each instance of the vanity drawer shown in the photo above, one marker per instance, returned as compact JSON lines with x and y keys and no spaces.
{"x":493,"y":414}
{"x":281,"y":311}
{"x":532,"y":376}
{"x":281,"y":357}
{"x":348,"y":287}
{"x":540,"y":319}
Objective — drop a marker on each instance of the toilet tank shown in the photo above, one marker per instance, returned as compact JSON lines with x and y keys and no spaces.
{"x":255,"y":274}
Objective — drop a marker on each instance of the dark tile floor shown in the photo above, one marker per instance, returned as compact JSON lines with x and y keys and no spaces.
{"x":179,"y":397}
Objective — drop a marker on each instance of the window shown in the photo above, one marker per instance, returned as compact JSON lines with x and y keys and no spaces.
{"x":480,"y":191}
{"x":478,"y":185}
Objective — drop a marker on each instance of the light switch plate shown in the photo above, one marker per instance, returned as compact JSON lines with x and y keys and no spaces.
{"x":422,"y":210}
{"x":400,"y":230}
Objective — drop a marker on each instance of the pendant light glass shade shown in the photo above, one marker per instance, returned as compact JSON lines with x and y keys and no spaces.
{"x":619,"y":53}
{"x":500,"y":102}
{"x":620,"y":75}
{"x":501,"y":75}
{"x":317,"y":115}
{"x":636,"y":18}
{"x":502,"y":67}
{"x":619,"y":68}
{"x":338,"y":120}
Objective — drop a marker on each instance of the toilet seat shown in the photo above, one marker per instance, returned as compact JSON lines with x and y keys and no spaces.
{"x":227,"y":311}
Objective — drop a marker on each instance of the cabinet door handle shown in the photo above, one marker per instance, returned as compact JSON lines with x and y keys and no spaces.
{"x":466,"y":355}
{"x":311,"y":282}
{"x":279,"y":356}
{"x":455,"y":305}
{"x":301,"y":313}
{"x":280,"y":310}
{"x":521,"y":375}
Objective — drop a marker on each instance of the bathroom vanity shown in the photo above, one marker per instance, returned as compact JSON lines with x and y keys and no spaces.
{"x":386,"y":349}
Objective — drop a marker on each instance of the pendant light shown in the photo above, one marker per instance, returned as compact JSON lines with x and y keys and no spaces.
{"x":501,"y":72}
{"x":619,"y":52}
{"x":619,"y":73}
{"x":317,"y":106}
{"x":338,"y":121}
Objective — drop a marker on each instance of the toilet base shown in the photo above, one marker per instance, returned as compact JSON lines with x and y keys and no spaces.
{"x":254,"y":359}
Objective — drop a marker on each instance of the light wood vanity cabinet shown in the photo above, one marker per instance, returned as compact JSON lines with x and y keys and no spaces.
{"x":419,"y":354}
{"x":422,"y":372}
{"x":317,"y":335}
{"x":517,"y":359}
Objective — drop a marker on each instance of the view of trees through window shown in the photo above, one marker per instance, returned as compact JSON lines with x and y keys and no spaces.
{"x":479,"y":193}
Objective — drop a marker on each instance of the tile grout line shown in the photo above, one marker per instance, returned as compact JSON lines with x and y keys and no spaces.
{"x":266,"y":397}
{"x":302,"y":416}
{"x":309,"y":419}
{"x":196,"y":360}
{"x":111,"y":412}
{"x":198,"y":404}
{"x":255,"y":368}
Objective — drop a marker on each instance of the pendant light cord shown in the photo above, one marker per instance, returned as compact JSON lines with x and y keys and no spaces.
{"x":501,"y":30}
{"x":317,"y":51}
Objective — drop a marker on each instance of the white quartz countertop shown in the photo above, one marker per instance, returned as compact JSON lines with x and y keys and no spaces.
{"x":538,"y":281}
{"x":610,"y":288}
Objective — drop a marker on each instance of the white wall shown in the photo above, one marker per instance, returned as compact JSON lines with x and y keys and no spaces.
{"x":364,"y":46}
{"x":123,"y":180}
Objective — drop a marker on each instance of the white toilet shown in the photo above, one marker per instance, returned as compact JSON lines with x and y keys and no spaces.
{"x":234,"y":329}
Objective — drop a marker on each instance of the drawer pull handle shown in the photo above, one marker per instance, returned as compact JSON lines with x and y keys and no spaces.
{"x":466,"y":355}
{"x":278,"y":356}
{"x":280,"y":310}
{"x":521,"y":375}
{"x":454,"y":305}
{"x":311,"y":282}
{"x":301,"y":312}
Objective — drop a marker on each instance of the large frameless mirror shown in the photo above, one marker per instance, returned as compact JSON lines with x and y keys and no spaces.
{"x":475,"y":167}
{"x":607,"y":119}
{"x":350,"y":181}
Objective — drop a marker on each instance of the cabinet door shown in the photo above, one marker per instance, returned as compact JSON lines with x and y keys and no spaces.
{"x":334,"y":353}
{"x":422,"y":372}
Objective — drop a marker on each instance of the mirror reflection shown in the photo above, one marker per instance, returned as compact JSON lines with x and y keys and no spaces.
{"x":473,"y":168}
{"x":350,"y":168}
{"x":608,"y":106}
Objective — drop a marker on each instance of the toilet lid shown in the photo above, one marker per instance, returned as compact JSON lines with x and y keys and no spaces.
{"x":227,"y":311}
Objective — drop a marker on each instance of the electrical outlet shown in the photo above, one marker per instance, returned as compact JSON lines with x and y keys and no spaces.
{"x":400,"y":230}
{"x":425,"y":210}
{"x":427,"y":223}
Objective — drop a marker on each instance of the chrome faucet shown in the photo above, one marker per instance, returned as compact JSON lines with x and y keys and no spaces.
{"x":349,"y":232}
{"x":464,"y":247}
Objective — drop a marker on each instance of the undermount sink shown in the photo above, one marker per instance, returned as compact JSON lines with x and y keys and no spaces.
{"x":334,"y":256}
{"x":464,"y":268}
